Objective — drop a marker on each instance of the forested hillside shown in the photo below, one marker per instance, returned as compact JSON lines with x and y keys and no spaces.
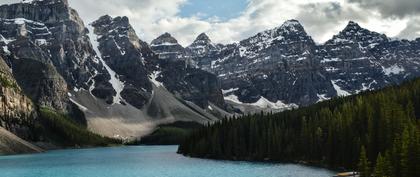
{"x":375,"y":132}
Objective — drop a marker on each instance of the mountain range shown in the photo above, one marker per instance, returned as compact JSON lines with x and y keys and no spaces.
{"x":106,"y":78}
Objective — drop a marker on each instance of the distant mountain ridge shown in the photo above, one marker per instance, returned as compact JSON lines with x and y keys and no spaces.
{"x":285,"y":65}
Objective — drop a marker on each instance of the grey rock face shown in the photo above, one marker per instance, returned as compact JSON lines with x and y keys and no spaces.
{"x":167,"y":47}
{"x":203,"y":51}
{"x":278,"y":64}
{"x":125,"y":54}
{"x":191,"y":84}
{"x":139,"y":65}
{"x":358,"y":59}
{"x":203,"y":46}
{"x":285,"y":64}
{"x":51,"y":36}
{"x":37,"y":76}
{"x":350,"y":64}
{"x":17,"y":112}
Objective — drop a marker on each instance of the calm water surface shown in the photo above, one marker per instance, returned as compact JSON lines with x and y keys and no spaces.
{"x":141,"y":161}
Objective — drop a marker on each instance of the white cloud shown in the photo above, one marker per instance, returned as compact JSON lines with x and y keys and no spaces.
{"x":144,"y":15}
{"x":321,"y":18}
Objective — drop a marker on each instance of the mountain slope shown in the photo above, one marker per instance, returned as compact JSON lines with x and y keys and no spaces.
{"x":11,"y":144}
{"x":52,"y":41}
{"x":148,"y":94}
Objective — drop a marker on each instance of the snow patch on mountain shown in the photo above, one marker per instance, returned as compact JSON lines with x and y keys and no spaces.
{"x":29,"y":1}
{"x":164,"y":44}
{"x":153,"y":78}
{"x":116,"y":83}
{"x":340,"y":92}
{"x":229,"y":90}
{"x":322,"y":97}
{"x":233,"y":98}
{"x":394,"y":69}
{"x":5,"y":41}
{"x":122,"y":52}
{"x":265,"y":103}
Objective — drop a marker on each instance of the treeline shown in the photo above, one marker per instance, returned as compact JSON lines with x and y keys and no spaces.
{"x":168,"y":134}
{"x":62,"y":130}
{"x":376,"y":133}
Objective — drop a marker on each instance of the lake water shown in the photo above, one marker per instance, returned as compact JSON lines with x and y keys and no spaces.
{"x":141,"y":161}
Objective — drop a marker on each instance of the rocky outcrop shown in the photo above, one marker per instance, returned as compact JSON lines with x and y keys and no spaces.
{"x":52,"y":38}
{"x":11,"y":144}
{"x":203,"y":51}
{"x":191,"y":84}
{"x":167,"y":47}
{"x":125,"y":54}
{"x":37,"y":76}
{"x":17,"y":113}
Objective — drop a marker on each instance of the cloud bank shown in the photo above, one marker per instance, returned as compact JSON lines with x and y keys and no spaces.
{"x":321,"y":18}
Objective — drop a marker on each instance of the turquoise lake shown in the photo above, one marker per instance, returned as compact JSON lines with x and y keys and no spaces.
{"x":141,"y":161}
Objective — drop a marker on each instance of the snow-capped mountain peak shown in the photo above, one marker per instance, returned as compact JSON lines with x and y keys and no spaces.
{"x":202,"y":38}
{"x":354,"y":33}
{"x":164,"y":39}
{"x":290,"y":32}
{"x":167,"y":47}
{"x":292,"y":26}
{"x":202,"y":45}
{"x":353,"y":25}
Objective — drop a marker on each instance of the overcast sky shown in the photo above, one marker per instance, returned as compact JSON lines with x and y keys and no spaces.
{"x":226,"y":21}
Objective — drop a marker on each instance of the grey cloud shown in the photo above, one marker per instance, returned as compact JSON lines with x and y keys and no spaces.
{"x":412,"y":30}
{"x":391,"y":8}
{"x":322,"y":20}
{"x":151,"y":18}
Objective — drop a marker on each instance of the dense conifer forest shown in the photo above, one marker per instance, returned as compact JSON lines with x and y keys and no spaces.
{"x":376,"y":133}
{"x":62,"y":130}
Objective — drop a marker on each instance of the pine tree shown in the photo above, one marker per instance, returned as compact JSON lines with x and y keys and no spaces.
{"x":382,"y":167}
{"x":364,"y":164}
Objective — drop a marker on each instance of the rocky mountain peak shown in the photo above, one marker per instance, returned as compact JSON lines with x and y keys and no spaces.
{"x":202,"y":38}
{"x":118,"y":28}
{"x":354,"y":33}
{"x":111,"y":25}
{"x":292,"y":26}
{"x":164,"y":39}
{"x":352,"y":26}
{"x":202,"y":46}
{"x":167,"y":47}
{"x":46,"y":11}
{"x":106,"y":19}
{"x":120,"y":21}
{"x":290,"y":32}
